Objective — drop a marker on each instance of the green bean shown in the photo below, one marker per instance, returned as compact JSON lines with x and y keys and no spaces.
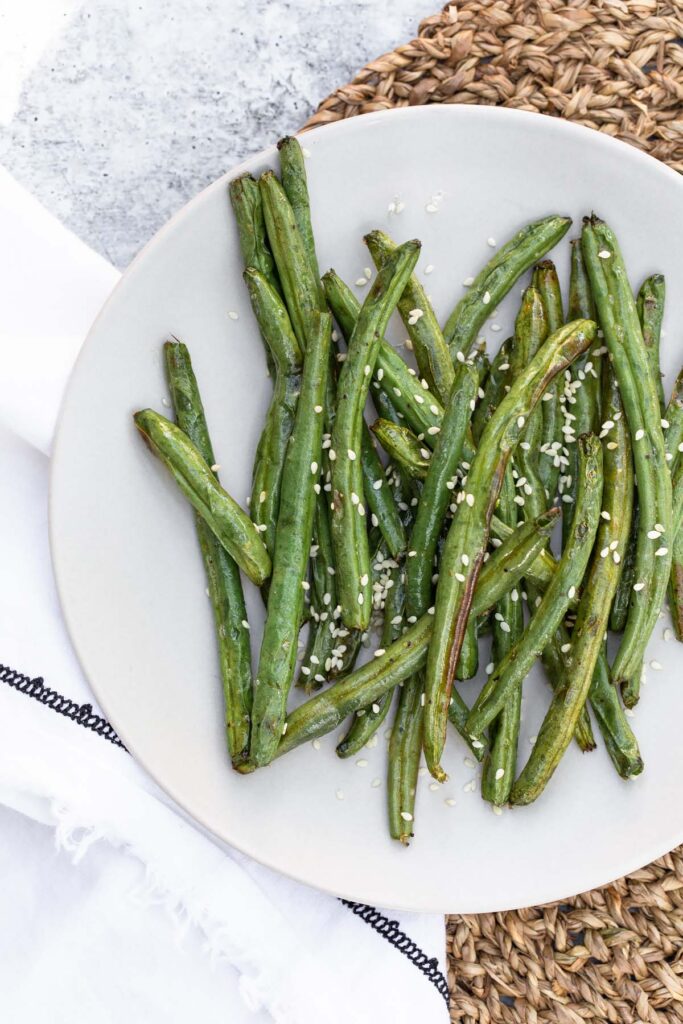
{"x":673,"y":436}
{"x":401,"y":445}
{"x":405,"y":750}
{"x":300,"y":288}
{"x":468,"y":536}
{"x":619,"y":321}
{"x":582,"y":390}
{"x":406,"y":737}
{"x":295,"y":185}
{"x":622,"y":597}
{"x":379,"y":497}
{"x":468,"y":662}
{"x":508,"y":676}
{"x":508,"y":626}
{"x":531,"y":330}
{"x":552,"y":439}
{"x":222,"y":573}
{"x":493,"y":283}
{"x":458,"y":713}
{"x":621,"y":744}
{"x":431,"y":351}
{"x":277,"y":333}
{"x":650,"y":306}
{"x":413,"y":402}
{"x":407,"y":655}
{"x":673,"y":433}
{"x":676,"y":581}
{"x":323,"y":631}
{"x":277,"y":657}
{"x":494,"y":391}
{"x":587,"y":644}
{"x":349,"y":534}
{"x":581,"y":306}
{"x":364,"y":727}
{"x":224,"y":517}
{"x":438,"y":491}
{"x":245,"y":197}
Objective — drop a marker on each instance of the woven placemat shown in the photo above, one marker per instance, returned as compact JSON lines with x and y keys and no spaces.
{"x":614,"y":954}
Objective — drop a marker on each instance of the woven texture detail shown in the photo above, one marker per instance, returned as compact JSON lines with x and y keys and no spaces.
{"x":612,"y":65}
{"x":614,"y":954}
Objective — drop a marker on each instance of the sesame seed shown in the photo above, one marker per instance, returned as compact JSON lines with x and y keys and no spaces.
{"x":638,"y":587}
{"x":233,"y":315}
{"x":616,"y":557}
{"x":639,"y":435}
{"x":468,"y":282}
{"x":665,"y":424}
{"x":660,"y":552}
{"x":459,"y":577}
{"x":406,"y":815}
{"x":414,"y":315}
{"x":604,"y":254}
{"x":604,"y":553}
{"x":314,"y":467}
{"x":351,"y":454}
{"x":495,"y":327}
{"x":656,"y":665}
{"x":449,"y":801}
{"x":364,"y":580}
{"x":571,"y":593}
{"x":316,"y":744}
{"x":318,"y":409}
{"x":284,"y":728}
{"x":469,"y":498}
{"x":360,"y":599}
{"x":565,"y":648}
{"x":606,"y":516}
{"x":614,"y":545}
{"x":500,"y":772}
{"x":305,"y":585}
{"x":245,"y":624}
{"x":340,"y":794}
{"x":486,"y":298}
{"x":492,"y":242}
{"x":428,"y":269}
{"x":668,"y":634}
{"x":367,"y":369}
{"x":361,"y":282}
{"x":374,"y":520}
{"x":262,"y":528}
{"x":332,"y":454}
{"x":380,"y":374}
{"x":505,"y":626}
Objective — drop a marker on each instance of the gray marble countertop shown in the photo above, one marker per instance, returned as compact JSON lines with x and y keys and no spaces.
{"x":135,"y":107}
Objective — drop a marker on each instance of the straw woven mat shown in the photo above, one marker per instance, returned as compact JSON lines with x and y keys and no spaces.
{"x":615,"y":954}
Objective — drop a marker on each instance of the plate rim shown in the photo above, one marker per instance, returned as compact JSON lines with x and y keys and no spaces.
{"x":554,"y":124}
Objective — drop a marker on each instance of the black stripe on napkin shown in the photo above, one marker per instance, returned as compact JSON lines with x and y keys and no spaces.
{"x":82,"y":714}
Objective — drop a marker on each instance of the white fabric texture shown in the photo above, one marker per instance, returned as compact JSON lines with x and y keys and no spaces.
{"x":113,"y":905}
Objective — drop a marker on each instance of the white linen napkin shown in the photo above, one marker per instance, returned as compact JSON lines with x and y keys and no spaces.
{"x":302,"y":956}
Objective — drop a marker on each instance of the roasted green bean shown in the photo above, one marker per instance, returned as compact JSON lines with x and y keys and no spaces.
{"x":277,"y":658}
{"x":287,"y":362}
{"x":493,"y":283}
{"x":619,"y":321}
{"x":222,"y":573}
{"x":468,"y":536}
{"x":349,"y":533}
{"x":431,"y":351}
{"x":224,"y":517}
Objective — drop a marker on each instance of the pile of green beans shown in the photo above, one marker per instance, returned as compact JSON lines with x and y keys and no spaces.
{"x":431,"y":524}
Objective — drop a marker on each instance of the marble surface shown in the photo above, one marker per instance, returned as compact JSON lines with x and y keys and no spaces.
{"x":134,"y":107}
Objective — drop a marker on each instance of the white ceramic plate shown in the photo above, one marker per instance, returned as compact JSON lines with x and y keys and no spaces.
{"x":130,"y":576}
